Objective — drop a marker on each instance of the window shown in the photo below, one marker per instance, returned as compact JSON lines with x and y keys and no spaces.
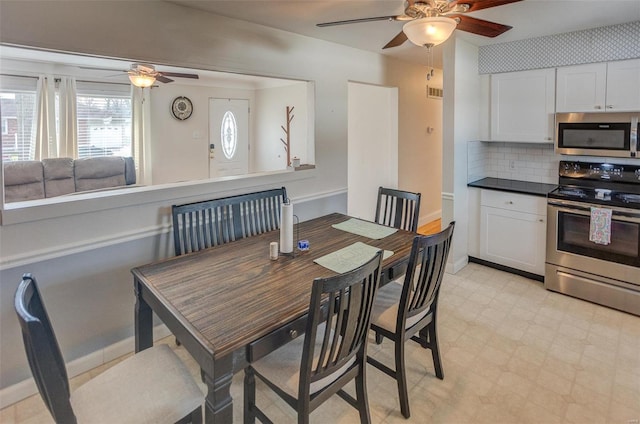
{"x":229,"y":134}
{"x":103,"y":119}
{"x":104,"y":126}
{"x":17,"y":110}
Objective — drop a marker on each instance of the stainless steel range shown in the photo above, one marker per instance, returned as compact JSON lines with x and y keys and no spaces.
{"x":593,"y":234}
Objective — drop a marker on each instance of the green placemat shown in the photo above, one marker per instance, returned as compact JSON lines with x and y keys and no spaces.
{"x":365,"y":228}
{"x":350,"y":257}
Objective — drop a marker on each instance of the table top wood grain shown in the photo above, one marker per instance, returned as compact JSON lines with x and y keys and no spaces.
{"x":230,"y":295}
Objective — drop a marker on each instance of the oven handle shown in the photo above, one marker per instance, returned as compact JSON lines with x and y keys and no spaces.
{"x":629,"y":214}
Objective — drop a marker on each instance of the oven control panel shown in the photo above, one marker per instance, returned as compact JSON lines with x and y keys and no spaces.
{"x":600,"y":171}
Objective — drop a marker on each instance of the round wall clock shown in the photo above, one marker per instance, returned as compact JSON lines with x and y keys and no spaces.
{"x":181,"y":108}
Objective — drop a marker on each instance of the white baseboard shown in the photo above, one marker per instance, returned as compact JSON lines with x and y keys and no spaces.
{"x":25,"y":388}
{"x":454,"y":267}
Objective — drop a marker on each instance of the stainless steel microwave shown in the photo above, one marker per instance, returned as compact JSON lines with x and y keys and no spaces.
{"x":597,"y":134}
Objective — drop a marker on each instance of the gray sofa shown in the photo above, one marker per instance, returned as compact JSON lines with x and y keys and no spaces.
{"x":29,"y":180}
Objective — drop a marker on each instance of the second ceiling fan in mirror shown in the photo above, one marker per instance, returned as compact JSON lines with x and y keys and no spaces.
{"x":144,"y":74}
{"x":424,"y":20}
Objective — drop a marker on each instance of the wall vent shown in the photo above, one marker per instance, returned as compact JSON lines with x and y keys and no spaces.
{"x":434,"y":92}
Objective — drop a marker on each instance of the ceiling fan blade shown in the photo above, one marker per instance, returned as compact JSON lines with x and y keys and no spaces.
{"x":397,"y":40}
{"x":356,"y":21}
{"x":162,"y":78}
{"x":179,"y":75}
{"x":482,"y":4}
{"x":480,"y":26}
{"x":92,"y":68}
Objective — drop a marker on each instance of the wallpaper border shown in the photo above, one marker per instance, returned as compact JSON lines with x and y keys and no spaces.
{"x":615,"y":42}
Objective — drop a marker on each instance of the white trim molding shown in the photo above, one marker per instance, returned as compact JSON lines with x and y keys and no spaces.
{"x":60,"y":251}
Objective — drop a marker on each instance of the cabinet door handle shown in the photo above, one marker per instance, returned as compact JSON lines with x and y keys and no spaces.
{"x":609,"y":106}
{"x":541,"y":220}
{"x":597,"y":107}
{"x":509,"y":202}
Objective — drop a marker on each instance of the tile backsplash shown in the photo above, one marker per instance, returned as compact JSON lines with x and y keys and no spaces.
{"x":523,"y":161}
{"x":514,"y":161}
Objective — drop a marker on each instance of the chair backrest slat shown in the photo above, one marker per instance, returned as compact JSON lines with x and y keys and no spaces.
{"x":350,"y":298}
{"x":201,"y":225}
{"x":43,"y":352}
{"x":398,"y":209}
{"x":428,"y":259}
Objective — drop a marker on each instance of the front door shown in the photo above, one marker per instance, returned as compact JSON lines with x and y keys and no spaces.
{"x":228,"y":137}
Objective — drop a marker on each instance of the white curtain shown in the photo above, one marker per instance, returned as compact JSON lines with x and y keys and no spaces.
{"x":68,"y":143}
{"x":45,"y":145}
{"x":141,"y":130}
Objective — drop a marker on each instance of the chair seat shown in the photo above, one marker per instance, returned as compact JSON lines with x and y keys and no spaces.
{"x":385,"y":308}
{"x":282,"y":366}
{"x":133,"y":391}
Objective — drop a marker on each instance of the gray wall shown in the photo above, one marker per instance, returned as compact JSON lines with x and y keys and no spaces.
{"x":82,"y":250}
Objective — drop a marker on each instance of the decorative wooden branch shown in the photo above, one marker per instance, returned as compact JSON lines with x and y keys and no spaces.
{"x":287,"y":133}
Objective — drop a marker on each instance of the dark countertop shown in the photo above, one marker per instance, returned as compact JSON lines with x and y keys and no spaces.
{"x":514,"y":186}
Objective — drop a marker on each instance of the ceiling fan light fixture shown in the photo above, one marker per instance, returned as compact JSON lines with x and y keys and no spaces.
{"x":429,"y":31}
{"x":142,"y":75}
{"x":141,"y":80}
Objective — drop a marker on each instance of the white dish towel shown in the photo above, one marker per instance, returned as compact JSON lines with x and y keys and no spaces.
{"x":600,"y":227}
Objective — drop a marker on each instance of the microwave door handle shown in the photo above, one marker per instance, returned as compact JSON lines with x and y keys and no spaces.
{"x":633,"y":137}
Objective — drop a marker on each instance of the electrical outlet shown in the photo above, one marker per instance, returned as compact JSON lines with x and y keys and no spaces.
{"x":512,"y":164}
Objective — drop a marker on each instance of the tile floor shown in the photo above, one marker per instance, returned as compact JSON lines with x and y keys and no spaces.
{"x":512,"y":353}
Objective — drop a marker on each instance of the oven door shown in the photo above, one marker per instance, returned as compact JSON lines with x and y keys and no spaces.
{"x":568,"y":243}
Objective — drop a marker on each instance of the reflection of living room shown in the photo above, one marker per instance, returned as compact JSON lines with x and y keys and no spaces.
{"x":176,"y":150}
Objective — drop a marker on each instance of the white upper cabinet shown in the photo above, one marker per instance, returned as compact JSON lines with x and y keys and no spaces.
{"x":522,"y":106}
{"x":599,"y":87}
{"x":623,"y":85}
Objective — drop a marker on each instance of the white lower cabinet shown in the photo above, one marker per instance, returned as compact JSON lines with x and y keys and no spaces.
{"x":512,"y":230}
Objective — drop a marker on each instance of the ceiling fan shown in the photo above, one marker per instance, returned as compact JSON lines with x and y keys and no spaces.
{"x":144,"y":74}
{"x":141,"y":71}
{"x":454,"y":9}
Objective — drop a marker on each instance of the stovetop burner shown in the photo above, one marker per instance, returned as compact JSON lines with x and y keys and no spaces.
{"x":597,"y":195}
{"x":588,"y":182}
{"x":572,"y":192}
{"x":629,"y":198}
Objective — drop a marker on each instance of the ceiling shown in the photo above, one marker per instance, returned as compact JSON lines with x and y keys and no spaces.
{"x":529,"y":18}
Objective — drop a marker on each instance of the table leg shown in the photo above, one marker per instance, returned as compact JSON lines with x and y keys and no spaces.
{"x":218,"y":403}
{"x":143,"y":321}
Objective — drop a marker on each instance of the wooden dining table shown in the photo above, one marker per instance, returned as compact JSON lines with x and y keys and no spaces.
{"x":231,"y":304}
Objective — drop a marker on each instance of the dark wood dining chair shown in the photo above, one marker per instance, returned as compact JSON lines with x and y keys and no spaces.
{"x":151,"y":386}
{"x":408,"y":311}
{"x":200,"y":225}
{"x":310,"y":369}
{"x":398,"y":209}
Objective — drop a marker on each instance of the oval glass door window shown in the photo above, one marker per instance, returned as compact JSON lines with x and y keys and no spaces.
{"x":229,"y":134}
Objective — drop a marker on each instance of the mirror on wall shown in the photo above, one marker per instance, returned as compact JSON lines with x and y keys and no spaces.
{"x":190,"y":124}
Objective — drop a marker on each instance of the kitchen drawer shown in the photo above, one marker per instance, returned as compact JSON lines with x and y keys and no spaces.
{"x":514,"y":202}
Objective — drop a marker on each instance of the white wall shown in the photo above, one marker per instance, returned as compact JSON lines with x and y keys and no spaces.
{"x":82,"y":250}
{"x":180,"y":149}
{"x":461,"y":123}
{"x":268,"y":151}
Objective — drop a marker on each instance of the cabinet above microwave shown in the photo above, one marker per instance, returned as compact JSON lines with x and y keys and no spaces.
{"x":599,"y":87}
{"x":597,"y":134}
